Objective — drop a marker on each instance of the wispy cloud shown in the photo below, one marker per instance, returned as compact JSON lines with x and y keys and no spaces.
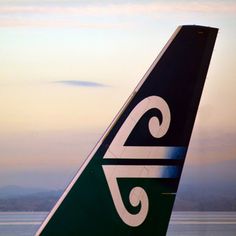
{"x":121,"y":8}
{"x":70,"y":15}
{"x":58,"y":23}
{"x":80,"y":83}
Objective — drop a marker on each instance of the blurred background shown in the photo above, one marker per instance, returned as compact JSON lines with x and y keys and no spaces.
{"x":67,"y":67}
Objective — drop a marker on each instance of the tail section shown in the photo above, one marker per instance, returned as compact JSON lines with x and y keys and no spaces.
{"x":127,"y":185}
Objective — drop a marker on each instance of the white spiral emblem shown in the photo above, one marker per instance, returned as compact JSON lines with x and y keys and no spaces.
{"x":117,"y":150}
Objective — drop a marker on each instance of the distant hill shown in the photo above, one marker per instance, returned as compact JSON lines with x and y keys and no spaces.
{"x":207,"y":188}
{"x":191,"y":198}
{"x":188,"y":199}
{"x":12,"y":191}
{"x":15,"y":198}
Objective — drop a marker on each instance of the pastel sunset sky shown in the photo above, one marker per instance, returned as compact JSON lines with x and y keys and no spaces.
{"x":67,"y":67}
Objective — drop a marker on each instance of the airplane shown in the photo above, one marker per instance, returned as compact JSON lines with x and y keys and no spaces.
{"x":128,"y":183}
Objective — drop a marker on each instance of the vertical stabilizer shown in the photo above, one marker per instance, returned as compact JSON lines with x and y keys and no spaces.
{"x":127,"y":185}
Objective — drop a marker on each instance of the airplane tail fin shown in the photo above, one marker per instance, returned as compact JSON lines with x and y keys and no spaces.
{"x":127,"y":185}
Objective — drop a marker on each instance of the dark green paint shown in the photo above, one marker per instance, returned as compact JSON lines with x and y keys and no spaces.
{"x":89,"y":208}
